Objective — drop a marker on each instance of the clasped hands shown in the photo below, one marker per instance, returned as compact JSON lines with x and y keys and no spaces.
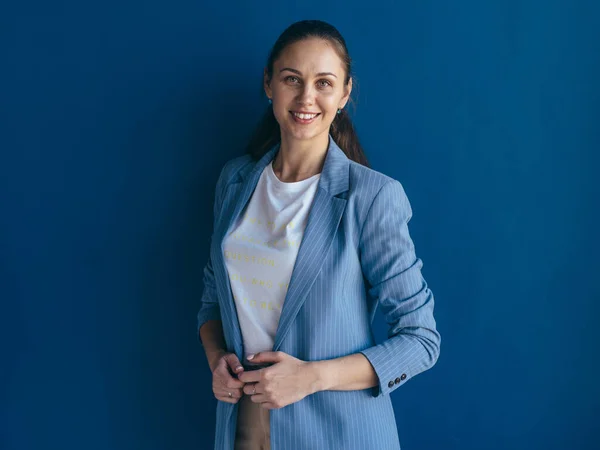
{"x":286,"y":381}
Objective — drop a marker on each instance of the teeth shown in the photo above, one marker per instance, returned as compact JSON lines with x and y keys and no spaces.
{"x":305,"y":116}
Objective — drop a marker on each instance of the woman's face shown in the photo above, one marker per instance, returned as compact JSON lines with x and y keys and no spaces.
{"x":307,"y":88}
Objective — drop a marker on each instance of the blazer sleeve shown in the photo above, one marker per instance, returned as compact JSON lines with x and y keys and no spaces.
{"x":209,"y":304}
{"x":394,"y":280}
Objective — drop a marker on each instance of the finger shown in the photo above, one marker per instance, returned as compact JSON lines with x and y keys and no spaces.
{"x":259,"y":398}
{"x":224,"y":368}
{"x":235,"y":393}
{"x":223,"y":395}
{"x":267,"y":405}
{"x":251,"y":389}
{"x":224,"y":378}
{"x":234,"y":363}
{"x":263,"y":357}
{"x":251,"y":376}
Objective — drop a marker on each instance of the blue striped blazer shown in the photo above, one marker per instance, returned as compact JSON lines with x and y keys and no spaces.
{"x":356,"y":254}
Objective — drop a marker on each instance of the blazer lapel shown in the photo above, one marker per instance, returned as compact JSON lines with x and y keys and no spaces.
{"x":323,"y":220}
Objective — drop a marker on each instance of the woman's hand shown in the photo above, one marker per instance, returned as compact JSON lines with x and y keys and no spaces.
{"x":287,"y":381}
{"x":223,"y":367}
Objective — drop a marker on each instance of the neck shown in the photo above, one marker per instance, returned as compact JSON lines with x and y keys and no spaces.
{"x":298,"y":160}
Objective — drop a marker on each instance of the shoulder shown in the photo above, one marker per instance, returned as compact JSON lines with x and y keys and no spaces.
{"x":228,"y":172}
{"x":367,"y":184}
{"x":231,"y":168}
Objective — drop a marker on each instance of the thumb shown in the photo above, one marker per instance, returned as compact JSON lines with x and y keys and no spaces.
{"x":264,"y":357}
{"x":234,"y":363}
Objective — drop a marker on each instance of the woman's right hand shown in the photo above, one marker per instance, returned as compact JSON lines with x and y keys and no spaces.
{"x":224,"y":367}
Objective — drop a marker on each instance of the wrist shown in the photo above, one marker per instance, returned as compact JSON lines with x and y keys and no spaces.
{"x":213,"y":358}
{"x":319,"y":376}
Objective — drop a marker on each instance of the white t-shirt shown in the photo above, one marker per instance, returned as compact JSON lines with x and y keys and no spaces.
{"x":260,"y":253}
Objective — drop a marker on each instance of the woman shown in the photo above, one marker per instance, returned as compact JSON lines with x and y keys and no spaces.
{"x":307,"y":242}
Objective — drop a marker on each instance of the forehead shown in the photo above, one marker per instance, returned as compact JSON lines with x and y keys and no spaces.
{"x":310,"y":56}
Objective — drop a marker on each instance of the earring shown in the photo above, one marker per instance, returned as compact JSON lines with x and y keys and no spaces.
{"x":270,"y":101}
{"x":339,"y":111}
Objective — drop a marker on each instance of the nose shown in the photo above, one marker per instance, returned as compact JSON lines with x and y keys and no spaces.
{"x":306,"y":96}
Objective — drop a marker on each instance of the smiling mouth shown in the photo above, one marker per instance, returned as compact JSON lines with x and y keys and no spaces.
{"x":304,"y":116}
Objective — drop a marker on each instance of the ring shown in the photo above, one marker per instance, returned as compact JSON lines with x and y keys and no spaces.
{"x":229,"y":393}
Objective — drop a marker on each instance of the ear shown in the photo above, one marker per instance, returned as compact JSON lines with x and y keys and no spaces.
{"x":267,"y":84}
{"x":347,"y":92}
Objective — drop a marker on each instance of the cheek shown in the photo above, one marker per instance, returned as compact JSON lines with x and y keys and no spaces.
{"x":330,"y":102}
{"x":329,"y":109}
{"x":281,"y":113}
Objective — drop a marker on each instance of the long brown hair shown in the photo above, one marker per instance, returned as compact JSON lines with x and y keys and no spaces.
{"x":267,"y":133}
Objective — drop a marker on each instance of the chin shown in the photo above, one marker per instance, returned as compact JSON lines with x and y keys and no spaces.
{"x":304,"y":135}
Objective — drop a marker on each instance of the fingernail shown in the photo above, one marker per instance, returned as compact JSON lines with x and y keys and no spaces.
{"x":250,"y":356}
{"x":238,"y":368}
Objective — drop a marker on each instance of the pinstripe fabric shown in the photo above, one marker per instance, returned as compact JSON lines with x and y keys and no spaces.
{"x":356,"y":254}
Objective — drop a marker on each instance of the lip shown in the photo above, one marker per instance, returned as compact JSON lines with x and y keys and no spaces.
{"x":305,"y":112}
{"x":300,"y":121}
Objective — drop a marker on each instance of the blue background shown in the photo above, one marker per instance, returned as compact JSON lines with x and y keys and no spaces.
{"x":115,"y":119}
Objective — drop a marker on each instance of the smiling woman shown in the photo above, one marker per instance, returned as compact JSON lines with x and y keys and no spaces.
{"x":308,"y":374}
{"x":308,"y":80}
{"x":308,"y":86}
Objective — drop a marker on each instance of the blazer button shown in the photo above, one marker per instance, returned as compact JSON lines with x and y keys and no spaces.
{"x":403,"y":376}
{"x":397,"y":380}
{"x":391,"y":384}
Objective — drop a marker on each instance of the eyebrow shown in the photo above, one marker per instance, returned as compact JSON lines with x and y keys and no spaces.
{"x":320,"y":74}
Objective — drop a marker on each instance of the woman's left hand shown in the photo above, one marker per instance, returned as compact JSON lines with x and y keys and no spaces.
{"x":287,"y":381}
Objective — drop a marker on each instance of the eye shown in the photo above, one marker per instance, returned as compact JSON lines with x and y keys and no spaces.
{"x":291,"y":78}
{"x":324,"y":83}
